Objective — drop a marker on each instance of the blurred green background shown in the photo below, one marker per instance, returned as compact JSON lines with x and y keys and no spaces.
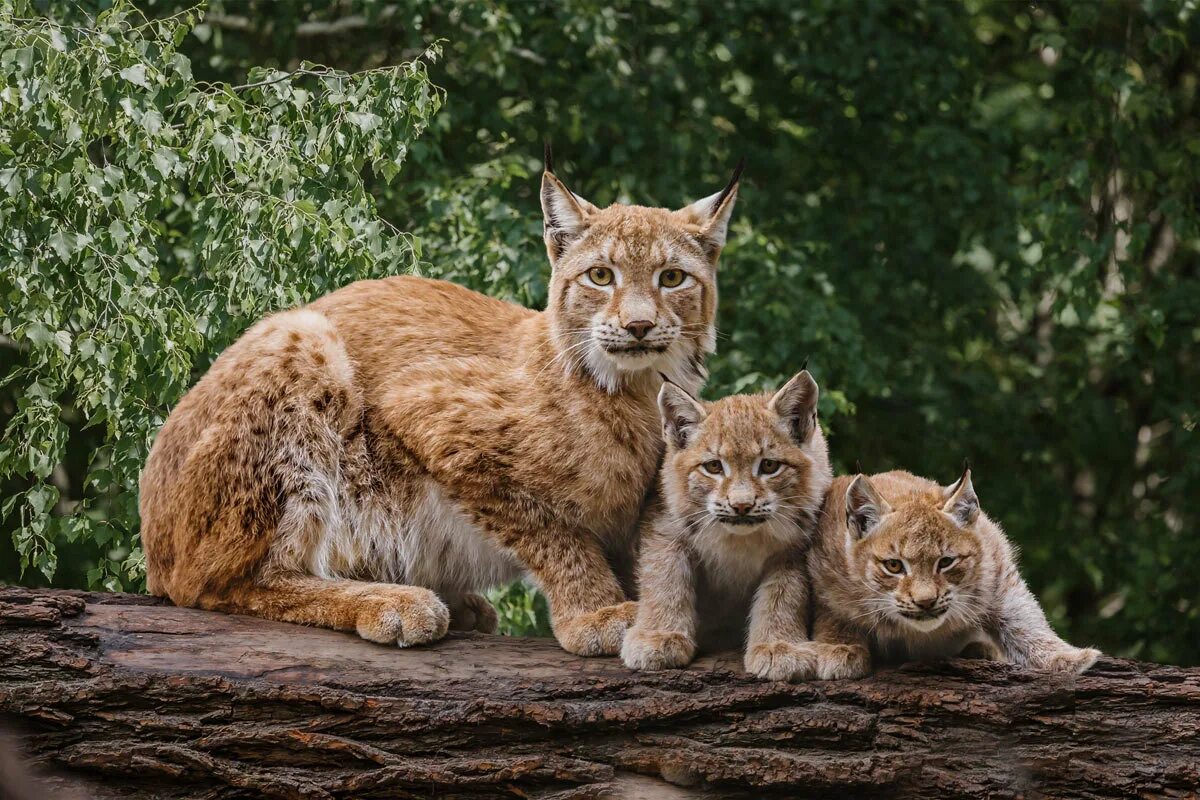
{"x":978,"y":220}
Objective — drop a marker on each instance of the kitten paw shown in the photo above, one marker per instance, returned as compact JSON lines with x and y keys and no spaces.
{"x":654,"y":650}
{"x":473,"y":613}
{"x":597,"y":633}
{"x":1073,"y":659}
{"x":402,"y":615}
{"x":836,"y":662}
{"x":781,"y":661}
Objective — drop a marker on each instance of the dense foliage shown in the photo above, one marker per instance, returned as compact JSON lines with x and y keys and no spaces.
{"x":978,"y":219}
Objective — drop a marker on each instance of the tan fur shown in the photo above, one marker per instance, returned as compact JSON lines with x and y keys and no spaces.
{"x":374,"y":460}
{"x":976,"y":605}
{"x":702,"y":576}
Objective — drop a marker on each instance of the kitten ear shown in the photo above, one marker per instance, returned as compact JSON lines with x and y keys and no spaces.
{"x":962,"y":504}
{"x":865,"y":508}
{"x":711,"y":214}
{"x":564,"y":213}
{"x":796,"y":405}
{"x":681,"y":414}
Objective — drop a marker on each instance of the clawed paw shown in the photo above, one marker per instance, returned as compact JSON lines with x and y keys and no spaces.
{"x":842,"y":661}
{"x":653,"y":650}
{"x":597,"y":633}
{"x":1075,"y":660}
{"x":403,"y":615}
{"x":781,"y":661}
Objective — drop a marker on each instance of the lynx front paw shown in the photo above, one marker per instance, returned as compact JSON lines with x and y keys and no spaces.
{"x":1072,"y":659}
{"x":838,"y":661}
{"x":404,"y":615}
{"x":473,"y":612}
{"x":653,"y":650}
{"x":781,"y":661}
{"x":598,"y":633}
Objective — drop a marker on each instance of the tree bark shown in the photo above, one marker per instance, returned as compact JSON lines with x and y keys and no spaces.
{"x":126,"y":696}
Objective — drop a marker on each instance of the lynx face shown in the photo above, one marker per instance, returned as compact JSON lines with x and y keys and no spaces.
{"x":634,"y":289}
{"x":747,"y":464}
{"x":919,"y":560}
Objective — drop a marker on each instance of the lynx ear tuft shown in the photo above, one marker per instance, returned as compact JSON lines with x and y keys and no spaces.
{"x":681,"y":415}
{"x":962,"y":504}
{"x":865,"y":508}
{"x":564,"y":213}
{"x":796,"y":405}
{"x":711,"y":214}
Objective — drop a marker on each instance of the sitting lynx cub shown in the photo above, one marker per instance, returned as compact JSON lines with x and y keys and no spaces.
{"x":742,"y":483}
{"x":905,"y":569}
{"x":372,"y":461}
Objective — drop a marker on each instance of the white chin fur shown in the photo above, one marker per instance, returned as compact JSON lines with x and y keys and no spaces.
{"x":926,"y":625}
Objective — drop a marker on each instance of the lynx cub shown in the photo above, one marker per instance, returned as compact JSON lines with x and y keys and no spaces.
{"x":374,"y":460}
{"x":741,"y":486}
{"x":904,"y":569}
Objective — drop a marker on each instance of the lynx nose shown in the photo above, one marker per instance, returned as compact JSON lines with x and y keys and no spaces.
{"x":742,"y":509}
{"x":925,"y":603}
{"x":639,"y":328}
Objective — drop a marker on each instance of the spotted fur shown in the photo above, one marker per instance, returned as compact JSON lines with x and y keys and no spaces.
{"x":373,"y":461}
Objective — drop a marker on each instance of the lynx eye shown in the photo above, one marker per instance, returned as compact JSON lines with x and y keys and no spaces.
{"x":600,"y":276}
{"x":768,"y":466}
{"x":893,"y":565}
{"x":670,"y":278}
{"x":714,"y":467}
{"x":946,"y":562}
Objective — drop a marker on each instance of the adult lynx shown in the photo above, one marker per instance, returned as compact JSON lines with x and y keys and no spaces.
{"x":371,"y":461}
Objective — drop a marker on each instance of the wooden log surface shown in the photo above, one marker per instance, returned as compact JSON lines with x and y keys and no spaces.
{"x":126,"y":696}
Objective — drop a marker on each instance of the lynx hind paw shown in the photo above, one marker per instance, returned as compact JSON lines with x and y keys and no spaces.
{"x":645,"y":649}
{"x":837,"y":662}
{"x":782,"y":661}
{"x":597,"y":633}
{"x":405,"y":616}
{"x":1076,"y":660}
{"x":474,"y":613}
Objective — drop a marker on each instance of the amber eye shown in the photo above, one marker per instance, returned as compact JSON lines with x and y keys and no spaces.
{"x":714,"y":467}
{"x":768,"y":466}
{"x":670,"y":278}
{"x":945,"y":563}
{"x":601,"y":276}
{"x":894,"y":566}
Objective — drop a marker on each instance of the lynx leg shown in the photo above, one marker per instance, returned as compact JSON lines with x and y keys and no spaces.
{"x":378,"y":612}
{"x":839,"y":651}
{"x":775,"y":646}
{"x":664,"y":635}
{"x":1027,"y":638}
{"x":473,"y":612}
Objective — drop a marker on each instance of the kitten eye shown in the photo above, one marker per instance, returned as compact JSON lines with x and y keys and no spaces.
{"x":601,"y":276}
{"x":714,"y":467}
{"x":670,"y":278}
{"x":768,"y":466}
{"x":946,"y":562}
{"x":893,"y":565}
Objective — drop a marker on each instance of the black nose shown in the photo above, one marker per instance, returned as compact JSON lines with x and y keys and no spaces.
{"x":925,"y":605}
{"x":639,"y":328}
{"x":742,"y":509}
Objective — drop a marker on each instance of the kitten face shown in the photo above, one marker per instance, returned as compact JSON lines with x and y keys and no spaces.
{"x":634,"y":289}
{"x":747,"y":464}
{"x":917,"y":559}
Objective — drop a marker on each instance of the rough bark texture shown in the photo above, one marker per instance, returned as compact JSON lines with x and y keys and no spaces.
{"x":139,"y":699}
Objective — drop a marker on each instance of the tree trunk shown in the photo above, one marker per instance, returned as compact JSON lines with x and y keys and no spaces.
{"x":129,"y":697}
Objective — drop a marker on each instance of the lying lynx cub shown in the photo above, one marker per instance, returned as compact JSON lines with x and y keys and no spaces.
{"x":741,"y":485}
{"x":374,"y":460}
{"x":905,"y":569}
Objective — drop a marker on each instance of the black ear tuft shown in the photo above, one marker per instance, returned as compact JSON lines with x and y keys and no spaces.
{"x":548,"y":157}
{"x":733,"y":182}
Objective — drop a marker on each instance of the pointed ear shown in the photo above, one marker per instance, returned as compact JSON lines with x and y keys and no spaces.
{"x":796,"y":405}
{"x":564,"y":213}
{"x":681,"y":415}
{"x":962,"y":504}
{"x":865,"y":508}
{"x":711,"y":214}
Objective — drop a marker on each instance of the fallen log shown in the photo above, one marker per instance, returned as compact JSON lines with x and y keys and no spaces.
{"x":126,"y":696}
